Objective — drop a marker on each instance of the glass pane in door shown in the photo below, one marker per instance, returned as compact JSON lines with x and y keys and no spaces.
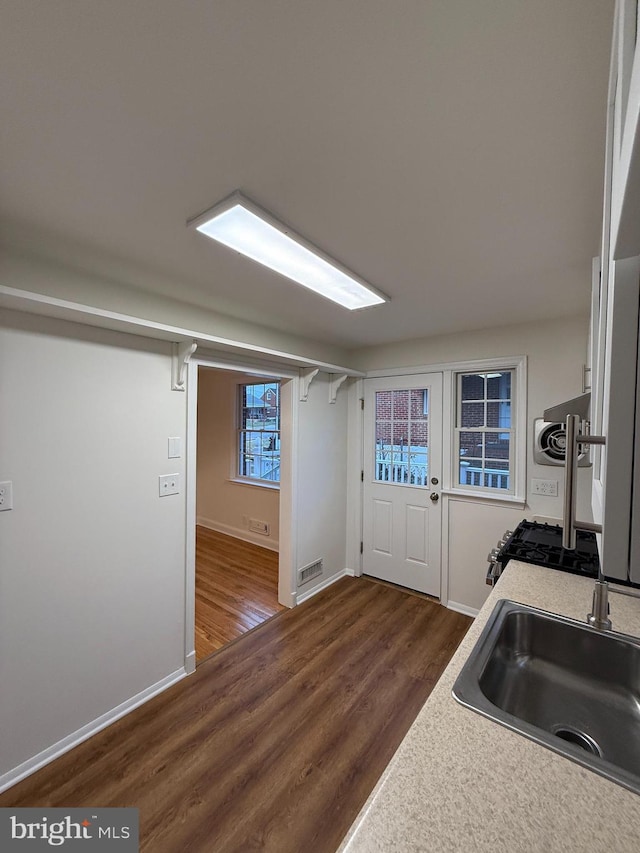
{"x":402,"y":437}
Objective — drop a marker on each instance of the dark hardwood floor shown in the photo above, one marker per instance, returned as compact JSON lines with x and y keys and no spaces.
{"x":277,"y":739}
{"x":236,"y":589}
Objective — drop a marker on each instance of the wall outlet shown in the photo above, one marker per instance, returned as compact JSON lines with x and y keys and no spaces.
{"x":544,"y":487}
{"x":258,"y":526}
{"x":169,"y":484}
{"x":6,"y":495}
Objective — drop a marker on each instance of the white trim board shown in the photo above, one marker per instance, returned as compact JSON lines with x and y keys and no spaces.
{"x":458,"y":366}
{"x":239,"y":533}
{"x":462,"y":608}
{"x":50,"y":306}
{"x":306,"y":594}
{"x":287,"y":544}
{"x":191,"y":472}
{"x":243,"y":364}
{"x":490,"y":500}
{"x":12,"y":777}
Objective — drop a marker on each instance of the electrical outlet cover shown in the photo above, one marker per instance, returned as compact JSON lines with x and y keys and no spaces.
{"x":169,"y":484}
{"x":544,"y":487}
{"x":6,"y":495}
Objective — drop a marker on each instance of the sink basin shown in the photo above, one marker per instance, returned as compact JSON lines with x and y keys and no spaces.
{"x":560,"y":683}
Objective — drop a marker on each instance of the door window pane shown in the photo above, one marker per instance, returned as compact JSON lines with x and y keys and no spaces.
{"x":419,"y":404}
{"x":383,"y":405}
{"x":402,"y":436}
{"x":400,"y":404}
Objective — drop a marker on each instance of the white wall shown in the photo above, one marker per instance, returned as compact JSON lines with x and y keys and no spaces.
{"x":556,"y":352}
{"x":321,"y":485}
{"x":92,"y":601}
{"x":221,"y":503}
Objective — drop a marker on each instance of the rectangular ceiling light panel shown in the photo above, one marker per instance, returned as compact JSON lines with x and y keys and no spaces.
{"x":243,"y":226}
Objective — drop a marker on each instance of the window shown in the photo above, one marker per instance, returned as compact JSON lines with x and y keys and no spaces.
{"x":402,"y":436}
{"x":484,"y":432}
{"x":259,"y":432}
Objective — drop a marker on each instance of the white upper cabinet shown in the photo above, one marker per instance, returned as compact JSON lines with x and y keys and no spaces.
{"x":616,"y":311}
{"x":622,"y":190}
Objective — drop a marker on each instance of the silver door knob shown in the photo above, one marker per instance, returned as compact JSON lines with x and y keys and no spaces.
{"x":435,"y":497}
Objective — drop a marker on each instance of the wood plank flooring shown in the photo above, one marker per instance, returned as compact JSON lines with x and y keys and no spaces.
{"x":236,"y":589}
{"x":277,"y":740}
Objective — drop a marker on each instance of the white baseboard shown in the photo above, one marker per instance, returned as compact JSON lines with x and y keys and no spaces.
{"x":12,"y":777}
{"x":190,"y":663}
{"x":239,"y":533}
{"x":305,"y":594}
{"x":463,"y":608}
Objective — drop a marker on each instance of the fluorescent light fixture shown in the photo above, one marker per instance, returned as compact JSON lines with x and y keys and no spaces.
{"x":241,"y":225}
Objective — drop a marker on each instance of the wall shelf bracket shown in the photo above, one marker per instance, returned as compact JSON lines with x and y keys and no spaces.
{"x":335,"y":382}
{"x":307,"y":375}
{"x":180,"y":356}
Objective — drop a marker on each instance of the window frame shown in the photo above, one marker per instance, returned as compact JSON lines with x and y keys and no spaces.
{"x":240,"y":429}
{"x":518,"y":430}
{"x":459,"y":429}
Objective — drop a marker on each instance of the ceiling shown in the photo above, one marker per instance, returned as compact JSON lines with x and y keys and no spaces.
{"x":448,"y":151}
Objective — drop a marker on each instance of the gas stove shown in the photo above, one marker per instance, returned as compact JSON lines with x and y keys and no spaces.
{"x":535,"y":542}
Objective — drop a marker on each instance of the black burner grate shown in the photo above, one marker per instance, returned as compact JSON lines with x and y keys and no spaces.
{"x":533,"y":542}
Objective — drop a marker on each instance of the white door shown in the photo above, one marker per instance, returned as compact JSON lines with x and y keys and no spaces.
{"x":402,"y":481}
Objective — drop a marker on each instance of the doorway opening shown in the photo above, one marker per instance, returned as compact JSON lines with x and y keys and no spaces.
{"x":237,"y":512}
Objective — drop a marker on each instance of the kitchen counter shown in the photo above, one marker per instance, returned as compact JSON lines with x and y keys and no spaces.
{"x":460,"y":782}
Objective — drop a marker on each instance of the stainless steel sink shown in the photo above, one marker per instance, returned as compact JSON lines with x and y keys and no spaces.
{"x":561,"y":683}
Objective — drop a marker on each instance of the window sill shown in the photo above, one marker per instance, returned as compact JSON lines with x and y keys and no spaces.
{"x":256,"y":484}
{"x":489,"y":497}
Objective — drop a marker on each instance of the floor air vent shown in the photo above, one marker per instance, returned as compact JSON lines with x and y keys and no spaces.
{"x":311,"y":571}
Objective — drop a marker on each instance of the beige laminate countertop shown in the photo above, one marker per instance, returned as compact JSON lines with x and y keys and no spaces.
{"x":461,"y":782}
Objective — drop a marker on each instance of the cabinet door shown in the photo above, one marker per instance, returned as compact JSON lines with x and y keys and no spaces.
{"x":614,"y":362}
{"x":615,"y":413}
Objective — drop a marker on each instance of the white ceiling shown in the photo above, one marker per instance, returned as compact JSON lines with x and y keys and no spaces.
{"x":448,"y":151}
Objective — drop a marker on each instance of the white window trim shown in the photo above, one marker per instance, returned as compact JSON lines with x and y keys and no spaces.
{"x":249,"y":481}
{"x":519,"y":426}
{"x":483,"y":365}
{"x":481,"y":431}
{"x":236,"y":477}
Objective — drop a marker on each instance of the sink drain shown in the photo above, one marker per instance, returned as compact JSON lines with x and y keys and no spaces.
{"x":577,"y":738}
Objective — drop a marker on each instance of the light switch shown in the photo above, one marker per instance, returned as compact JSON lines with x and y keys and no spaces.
{"x":175,"y":447}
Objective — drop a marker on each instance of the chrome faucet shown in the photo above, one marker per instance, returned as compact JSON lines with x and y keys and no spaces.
{"x":599,"y":616}
{"x":577,"y":434}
